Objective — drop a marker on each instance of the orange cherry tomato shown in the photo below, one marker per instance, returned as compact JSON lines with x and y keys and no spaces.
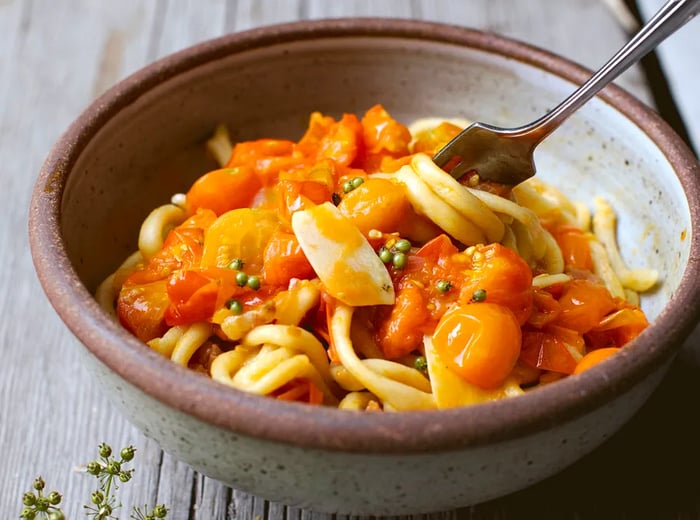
{"x":401,"y":332}
{"x":376,"y":204}
{"x":141,"y":309}
{"x":267,"y":157}
{"x":284,"y":259}
{"x":574,"y":247}
{"x":506,"y":278}
{"x":480,"y":342}
{"x":223,"y":190}
{"x":594,"y":357}
{"x":583,"y":304}
{"x":384,"y":137}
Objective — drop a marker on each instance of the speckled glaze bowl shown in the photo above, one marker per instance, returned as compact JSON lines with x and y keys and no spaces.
{"x":143,"y":141}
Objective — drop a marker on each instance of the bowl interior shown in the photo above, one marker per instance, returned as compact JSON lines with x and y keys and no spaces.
{"x":154,"y":146}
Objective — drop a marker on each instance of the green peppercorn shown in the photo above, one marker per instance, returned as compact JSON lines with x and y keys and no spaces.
{"x":347,"y":187}
{"x":443,"y":286}
{"x":234,"y":306}
{"x":27,"y":514}
{"x":105,"y":450}
{"x":241,"y":279}
{"x":385,"y":255}
{"x":402,"y":245}
{"x":479,"y":295}
{"x":357,"y":182}
{"x":128,"y":453}
{"x":420,"y":363}
{"x":253,"y":282}
{"x":236,"y":264}
{"x":399,"y":261}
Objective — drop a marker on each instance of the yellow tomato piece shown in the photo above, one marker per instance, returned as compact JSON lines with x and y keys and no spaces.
{"x":239,"y":234}
{"x":342,"y":258}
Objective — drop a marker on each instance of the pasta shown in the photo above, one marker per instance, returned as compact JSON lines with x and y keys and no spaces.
{"x":347,"y":269}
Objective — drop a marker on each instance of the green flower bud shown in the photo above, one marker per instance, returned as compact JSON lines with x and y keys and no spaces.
{"x":97,"y":498}
{"x":128,"y":453}
{"x":42,"y":504}
{"x":104,"y":511}
{"x":125,"y":476}
{"x":160,"y":511}
{"x":113,"y":467}
{"x":27,"y":513}
{"x":57,"y":515}
{"x":39,"y":483}
{"x":94,"y":467}
{"x":29,"y":499}
{"x":54,"y":498}
{"x":105,"y":450}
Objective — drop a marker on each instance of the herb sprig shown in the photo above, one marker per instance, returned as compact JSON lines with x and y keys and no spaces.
{"x":110,"y":471}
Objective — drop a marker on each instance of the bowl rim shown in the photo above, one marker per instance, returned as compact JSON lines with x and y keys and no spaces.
{"x":324,"y":427}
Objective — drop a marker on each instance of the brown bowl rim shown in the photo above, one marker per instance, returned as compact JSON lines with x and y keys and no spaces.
{"x":329,"y":428}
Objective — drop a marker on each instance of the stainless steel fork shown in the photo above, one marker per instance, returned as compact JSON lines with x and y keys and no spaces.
{"x":505,"y":155}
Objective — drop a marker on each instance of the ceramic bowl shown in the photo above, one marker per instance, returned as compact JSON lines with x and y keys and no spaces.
{"x":143,"y":141}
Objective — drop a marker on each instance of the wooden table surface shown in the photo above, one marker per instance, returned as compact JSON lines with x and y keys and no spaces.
{"x":58,"y":55}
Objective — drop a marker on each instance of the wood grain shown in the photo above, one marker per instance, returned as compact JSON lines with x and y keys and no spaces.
{"x":55,"y":57}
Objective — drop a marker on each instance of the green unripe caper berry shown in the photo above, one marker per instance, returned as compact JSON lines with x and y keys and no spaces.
{"x":97,"y":498}
{"x":399,"y":261}
{"x":127,"y":453}
{"x":385,"y":255}
{"x":105,"y":450}
{"x":160,"y":511}
{"x":113,"y":467}
{"x":443,"y":286}
{"x":420,"y":363}
{"x":39,"y":484}
{"x":54,"y":498}
{"x":94,"y":468}
{"x":479,"y":295}
{"x":241,"y":279}
{"x":357,"y":182}
{"x":347,"y":187}
{"x":234,"y":306}
{"x":29,"y":499}
{"x":28,"y":514}
{"x":236,"y":264}
{"x":402,"y":245}
{"x":253,"y":282}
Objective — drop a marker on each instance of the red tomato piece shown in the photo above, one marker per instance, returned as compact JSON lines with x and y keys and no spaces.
{"x":401,"y":332}
{"x":141,"y":309}
{"x":546,"y":349}
{"x":284,"y":259}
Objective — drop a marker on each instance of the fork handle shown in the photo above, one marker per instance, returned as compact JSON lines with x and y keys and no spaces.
{"x":672,"y":15}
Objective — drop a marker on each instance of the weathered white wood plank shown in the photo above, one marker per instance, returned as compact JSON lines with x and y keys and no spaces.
{"x":679,"y":61}
{"x":54,"y":58}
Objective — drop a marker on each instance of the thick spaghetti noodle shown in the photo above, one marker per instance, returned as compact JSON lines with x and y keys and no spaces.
{"x":347,"y":269}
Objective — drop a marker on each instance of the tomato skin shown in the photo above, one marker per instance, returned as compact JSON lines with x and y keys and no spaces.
{"x":401,"y":332}
{"x":376,"y":204}
{"x":284,"y":259}
{"x":223,"y":190}
{"x":193,"y":296}
{"x":617,"y":329}
{"x":583,"y":304}
{"x":480,"y":342}
{"x":384,"y":139}
{"x":544,"y":349}
{"x":141,"y":309}
{"x":575,"y":248}
{"x":545,"y":309}
{"x":267,"y":158}
{"x":506,"y":278}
